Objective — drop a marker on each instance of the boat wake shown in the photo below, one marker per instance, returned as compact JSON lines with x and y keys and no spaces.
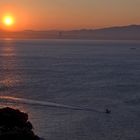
{"x":9,"y":99}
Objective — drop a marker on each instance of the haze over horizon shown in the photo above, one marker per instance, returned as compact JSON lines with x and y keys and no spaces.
{"x":68,"y":15}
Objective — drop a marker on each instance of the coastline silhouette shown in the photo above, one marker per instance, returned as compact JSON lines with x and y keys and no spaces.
{"x":130,"y":32}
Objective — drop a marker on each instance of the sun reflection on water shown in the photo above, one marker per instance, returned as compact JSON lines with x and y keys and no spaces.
{"x":10,"y":76}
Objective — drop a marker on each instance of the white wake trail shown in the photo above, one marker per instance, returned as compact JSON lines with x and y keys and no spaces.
{"x":44,"y":103}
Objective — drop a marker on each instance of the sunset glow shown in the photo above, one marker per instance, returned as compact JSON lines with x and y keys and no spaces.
{"x":68,"y":15}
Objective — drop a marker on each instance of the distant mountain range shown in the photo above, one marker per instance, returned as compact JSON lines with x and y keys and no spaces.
{"x":130,"y":32}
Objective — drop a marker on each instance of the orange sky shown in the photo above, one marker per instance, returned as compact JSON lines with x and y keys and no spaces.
{"x":69,"y":14}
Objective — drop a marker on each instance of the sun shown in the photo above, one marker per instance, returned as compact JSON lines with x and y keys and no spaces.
{"x":8,"y":20}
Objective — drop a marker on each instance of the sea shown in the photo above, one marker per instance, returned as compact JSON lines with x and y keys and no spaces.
{"x":66,"y":86}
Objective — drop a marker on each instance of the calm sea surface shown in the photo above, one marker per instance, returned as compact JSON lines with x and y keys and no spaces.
{"x":66,"y":85}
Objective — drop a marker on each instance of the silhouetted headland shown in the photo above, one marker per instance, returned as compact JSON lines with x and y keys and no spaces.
{"x":130,"y":32}
{"x":14,"y":125}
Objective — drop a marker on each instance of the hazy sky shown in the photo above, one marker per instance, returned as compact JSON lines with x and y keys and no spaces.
{"x":70,"y":14}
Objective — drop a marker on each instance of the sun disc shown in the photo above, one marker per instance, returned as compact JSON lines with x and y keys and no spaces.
{"x":8,"y":20}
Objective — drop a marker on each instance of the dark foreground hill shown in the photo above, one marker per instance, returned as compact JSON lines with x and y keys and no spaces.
{"x":131,"y":32}
{"x":14,"y":125}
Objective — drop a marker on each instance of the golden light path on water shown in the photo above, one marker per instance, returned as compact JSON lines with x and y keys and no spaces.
{"x":9,"y":77}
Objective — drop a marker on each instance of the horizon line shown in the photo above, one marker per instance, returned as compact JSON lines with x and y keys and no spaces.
{"x":65,"y":30}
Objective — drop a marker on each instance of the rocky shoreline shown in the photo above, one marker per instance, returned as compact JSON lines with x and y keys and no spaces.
{"x":14,"y":124}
